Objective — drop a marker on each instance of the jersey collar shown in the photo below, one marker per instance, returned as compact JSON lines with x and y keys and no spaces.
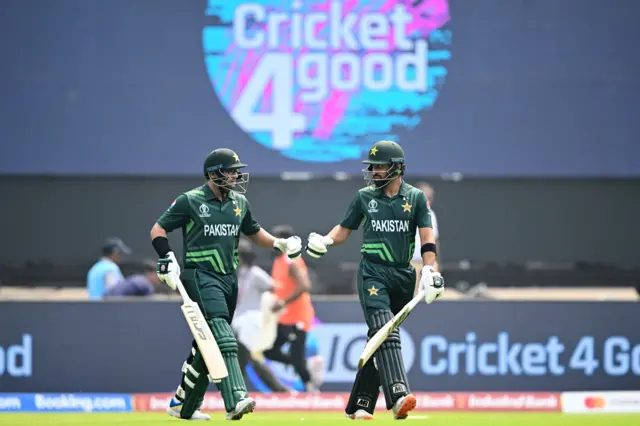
{"x":404,"y":189}
{"x":208,"y":193}
{"x":402,"y":192}
{"x":210,"y":196}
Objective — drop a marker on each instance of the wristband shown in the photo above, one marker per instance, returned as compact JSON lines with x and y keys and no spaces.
{"x":161,"y":245}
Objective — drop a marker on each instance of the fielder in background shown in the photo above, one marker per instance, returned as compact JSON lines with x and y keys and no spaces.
{"x":211,"y":218}
{"x":255,"y":324}
{"x":296,"y":311}
{"x":390,"y":210}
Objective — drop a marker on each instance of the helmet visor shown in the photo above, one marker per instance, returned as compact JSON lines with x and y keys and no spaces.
{"x":232,"y":180}
{"x":378,"y":177}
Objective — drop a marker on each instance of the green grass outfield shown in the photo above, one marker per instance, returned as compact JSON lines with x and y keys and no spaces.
{"x":320,"y":419}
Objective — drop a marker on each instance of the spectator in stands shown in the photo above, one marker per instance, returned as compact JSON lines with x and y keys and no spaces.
{"x":105,"y":273}
{"x":143,"y":284}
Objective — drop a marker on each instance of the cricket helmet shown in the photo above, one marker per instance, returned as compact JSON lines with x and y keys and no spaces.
{"x":221,"y":161}
{"x":384,"y":152}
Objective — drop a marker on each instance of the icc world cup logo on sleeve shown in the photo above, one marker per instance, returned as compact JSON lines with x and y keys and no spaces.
{"x":319,"y":80}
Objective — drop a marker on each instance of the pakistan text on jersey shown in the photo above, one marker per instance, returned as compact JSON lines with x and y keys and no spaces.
{"x":390,"y":225}
{"x":221,"y":230}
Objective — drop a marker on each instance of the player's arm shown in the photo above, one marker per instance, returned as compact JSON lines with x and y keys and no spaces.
{"x":428,"y":248}
{"x":158,"y":231}
{"x":111,"y":279}
{"x":428,"y":240}
{"x":317,"y":244}
{"x":262,"y":238}
{"x":292,"y":246}
{"x":436,"y":236}
{"x":252,"y":229}
{"x":431,"y":282}
{"x":339,"y":234}
{"x":176,"y":216}
{"x":262,"y":280}
{"x":303,"y":284}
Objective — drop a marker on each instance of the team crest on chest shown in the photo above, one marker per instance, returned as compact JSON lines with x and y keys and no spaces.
{"x":204,"y":210}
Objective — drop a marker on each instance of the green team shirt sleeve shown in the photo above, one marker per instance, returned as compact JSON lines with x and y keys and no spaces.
{"x":177,"y":215}
{"x":249,"y":225}
{"x":423,"y":218}
{"x":353,"y":216}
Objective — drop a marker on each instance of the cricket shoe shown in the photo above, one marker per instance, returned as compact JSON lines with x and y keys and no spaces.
{"x":402,"y":407}
{"x":311,"y":388}
{"x":244,"y":406}
{"x":175,"y":407}
{"x":360,"y":415}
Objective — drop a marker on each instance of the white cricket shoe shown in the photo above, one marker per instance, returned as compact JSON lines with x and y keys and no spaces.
{"x":244,"y":406}
{"x":402,"y":407}
{"x":311,"y":388}
{"x":175,"y":407}
{"x":360,"y":415}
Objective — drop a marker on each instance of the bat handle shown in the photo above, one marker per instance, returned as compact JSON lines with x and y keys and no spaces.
{"x":183,"y":292}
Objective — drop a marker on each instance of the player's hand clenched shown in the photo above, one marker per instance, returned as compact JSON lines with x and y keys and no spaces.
{"x":317,"y":245}
{"x":292,"y":246}
{"x":432,"y":283}
{"x":168,"y":270}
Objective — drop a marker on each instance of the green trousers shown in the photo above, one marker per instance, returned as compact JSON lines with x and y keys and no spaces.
{"x":216,"y":295}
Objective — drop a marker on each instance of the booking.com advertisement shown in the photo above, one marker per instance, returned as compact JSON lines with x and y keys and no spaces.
{"x":447,"y":347}
{"x":592,"y":402}
{"x":70,"y":403}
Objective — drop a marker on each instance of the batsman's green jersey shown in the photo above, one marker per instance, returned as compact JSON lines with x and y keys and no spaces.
{"x":389,"y":224}
{"x":210,"y":228}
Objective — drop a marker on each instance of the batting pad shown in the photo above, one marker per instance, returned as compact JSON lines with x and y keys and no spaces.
{"x":365,"y":390}
{"x":232,"y":388}
{"x":194,"y":383}
{"x":388,"y":357}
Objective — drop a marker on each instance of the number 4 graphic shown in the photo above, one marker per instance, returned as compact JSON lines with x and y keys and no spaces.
{"x":282,"y":122}
{"x":583,"y":357}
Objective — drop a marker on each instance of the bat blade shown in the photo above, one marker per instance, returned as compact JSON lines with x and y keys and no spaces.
{"x":374,"y":343}
{"x":206,"y":342}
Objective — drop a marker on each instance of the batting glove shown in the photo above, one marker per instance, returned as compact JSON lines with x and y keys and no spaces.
{"x":292,"y":246}
{"x":168,"y":270}
{"x":432,"y":283}
{"x":317,"y":245}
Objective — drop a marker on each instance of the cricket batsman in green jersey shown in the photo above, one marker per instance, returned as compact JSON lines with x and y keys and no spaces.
{"x":389,"y":210}
{"x":211,"y":218}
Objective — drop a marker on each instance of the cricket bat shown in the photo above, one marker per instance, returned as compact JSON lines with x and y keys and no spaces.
{"x":374,"y":343}
{"x":268,"y":323}
{"x":203,"y":336}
